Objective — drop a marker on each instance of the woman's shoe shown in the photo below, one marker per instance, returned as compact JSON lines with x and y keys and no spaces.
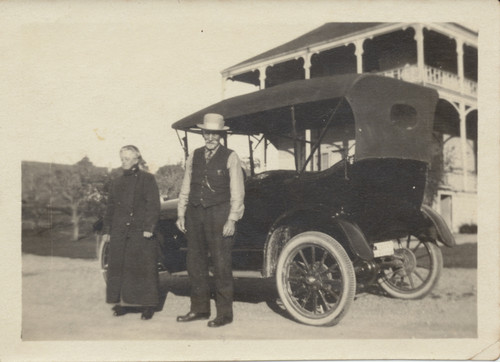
{"x":147,"y":313}
{"x":119,"y":310}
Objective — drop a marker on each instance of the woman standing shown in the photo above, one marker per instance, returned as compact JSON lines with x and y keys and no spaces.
{"x":131,"y":215}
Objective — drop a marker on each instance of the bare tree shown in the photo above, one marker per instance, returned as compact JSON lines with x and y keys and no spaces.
{"x":76,"y":191}
{"x":35,"y":198}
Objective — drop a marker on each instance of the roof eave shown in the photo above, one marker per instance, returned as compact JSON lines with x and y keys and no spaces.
{"x":339,"y":39}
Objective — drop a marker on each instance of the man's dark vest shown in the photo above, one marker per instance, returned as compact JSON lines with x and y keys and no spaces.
{"x":210,"y":181}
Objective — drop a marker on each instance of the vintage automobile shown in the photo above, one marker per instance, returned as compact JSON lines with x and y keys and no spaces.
{"x":322,"y":233}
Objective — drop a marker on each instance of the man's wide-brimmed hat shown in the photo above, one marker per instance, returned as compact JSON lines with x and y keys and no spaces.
{"x":213,"y":122}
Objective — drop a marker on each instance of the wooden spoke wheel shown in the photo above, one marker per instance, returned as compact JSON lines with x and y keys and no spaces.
{"x":315,"y":279}
{"x":104,"y":258}
{"x":413,"y":270}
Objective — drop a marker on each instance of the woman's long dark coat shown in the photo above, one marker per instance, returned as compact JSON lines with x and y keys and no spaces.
{"x":133,"y":207}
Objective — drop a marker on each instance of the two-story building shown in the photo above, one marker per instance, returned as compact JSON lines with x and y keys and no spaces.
{"x":442,"y":56}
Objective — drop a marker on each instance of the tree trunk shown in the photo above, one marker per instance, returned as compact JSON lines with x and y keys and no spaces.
{"x":75,"y":220}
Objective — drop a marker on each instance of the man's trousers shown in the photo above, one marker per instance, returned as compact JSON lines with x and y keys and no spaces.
{"x":204,"y":235}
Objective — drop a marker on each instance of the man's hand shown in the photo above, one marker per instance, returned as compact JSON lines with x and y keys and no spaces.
{"x":147,"y":234}
{"x":229,"y":228}
{"x":181,"y":224}
{"x":105,"y":238}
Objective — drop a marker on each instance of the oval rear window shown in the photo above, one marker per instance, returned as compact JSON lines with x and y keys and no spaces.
{"x":403,"y":116}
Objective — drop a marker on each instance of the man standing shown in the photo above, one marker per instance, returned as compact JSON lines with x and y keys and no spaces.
{"x":210,"y":203}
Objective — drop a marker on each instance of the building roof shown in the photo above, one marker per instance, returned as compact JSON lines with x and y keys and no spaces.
{"x":323,"y":34}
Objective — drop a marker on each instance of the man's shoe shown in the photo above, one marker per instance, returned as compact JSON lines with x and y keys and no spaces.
{"x":147,"y":313}
{"x":220,"y":321}
{"x":119,"y":310}
{"x":192,"y":316}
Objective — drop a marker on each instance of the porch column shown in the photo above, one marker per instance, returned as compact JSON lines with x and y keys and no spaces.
{"x":262,"y":77}
{"x":358,"y":45}
{"x":419,"y":38}
{"x":460,"y":63}
{"x":463,"y":144}
{"x":307,"y":65}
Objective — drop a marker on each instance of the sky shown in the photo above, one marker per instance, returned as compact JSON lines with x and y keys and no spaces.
{"x":85,"y":80}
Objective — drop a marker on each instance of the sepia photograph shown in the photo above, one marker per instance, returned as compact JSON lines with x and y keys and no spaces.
{"x":225,"y":180}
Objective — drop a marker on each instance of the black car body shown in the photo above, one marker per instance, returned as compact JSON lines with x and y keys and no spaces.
{"x":359,"y":221}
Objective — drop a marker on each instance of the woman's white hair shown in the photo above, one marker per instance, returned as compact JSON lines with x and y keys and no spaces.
{"x":141,"y":162}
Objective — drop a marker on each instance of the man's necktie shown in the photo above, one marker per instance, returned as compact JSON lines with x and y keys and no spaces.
{"x":208,"y":155}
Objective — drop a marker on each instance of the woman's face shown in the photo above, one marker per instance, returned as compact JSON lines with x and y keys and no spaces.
{"x":128,"y":158}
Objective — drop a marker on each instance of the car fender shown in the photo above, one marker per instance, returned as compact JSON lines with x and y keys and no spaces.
{"x":356,"y":238}
{"x":277,"y":236}
{"x":438,"y":226}
{"x":319,"y":219}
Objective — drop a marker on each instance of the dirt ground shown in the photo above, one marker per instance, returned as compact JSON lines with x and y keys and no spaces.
{"x":63,"y":299}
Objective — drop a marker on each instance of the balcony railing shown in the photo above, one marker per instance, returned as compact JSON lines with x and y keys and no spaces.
{"x":433,"y":76}
{"x":407,"y":73}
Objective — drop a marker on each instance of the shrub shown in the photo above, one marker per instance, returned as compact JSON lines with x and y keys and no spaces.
{"x":468,"y":229}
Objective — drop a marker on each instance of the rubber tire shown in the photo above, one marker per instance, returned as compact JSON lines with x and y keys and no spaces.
{"x":348,"y":277}
{"x":427,"y":286}
{"x":103,"y":254}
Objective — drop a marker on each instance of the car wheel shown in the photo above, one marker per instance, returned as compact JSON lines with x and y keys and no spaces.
{"x":315,"y":279}
{"x":414,"y":269}
{"x":104,"y":258}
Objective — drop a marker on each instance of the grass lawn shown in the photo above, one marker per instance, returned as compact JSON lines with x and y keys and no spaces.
{"x":460,"y":256}
{"x":57,"y":242}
